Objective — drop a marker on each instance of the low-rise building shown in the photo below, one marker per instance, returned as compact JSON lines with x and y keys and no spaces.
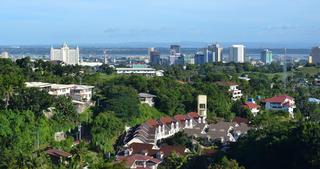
{"x":140,"y":71}
{"x":280,"y":103}
{"x":253,"y":107}
{"x":81,"y":95}
{"x":146,"y":98}
{"x":236,"y":93}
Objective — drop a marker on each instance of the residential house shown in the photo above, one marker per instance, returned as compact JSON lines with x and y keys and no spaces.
{"x":147,"y":98}
{"x":280,"y":103}
{"x":236,"y":93}
{"x":253,"y":107}
{"x":137,"y":161}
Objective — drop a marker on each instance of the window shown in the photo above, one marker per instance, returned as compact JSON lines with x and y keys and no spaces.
{"x":202,"y":106}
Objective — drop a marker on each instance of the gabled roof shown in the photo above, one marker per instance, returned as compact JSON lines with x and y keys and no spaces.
{"x":146,"y":95}
{"x":241,"y":120}
{"x":130,"y":160}
{"x":58,"y":153}
{"x":226,"y":83}
{"x":166,"y":120}
{"x":193,"y":115}
{"x":140,"y":147}
{"x":181,"y":117}
{"x":168,"y":150}
{"x":251,"y":105}
{"x":152,"y":123}
{"x":278,"y":99}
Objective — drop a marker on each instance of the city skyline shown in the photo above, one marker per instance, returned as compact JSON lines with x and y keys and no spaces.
{"x":97,"y":21}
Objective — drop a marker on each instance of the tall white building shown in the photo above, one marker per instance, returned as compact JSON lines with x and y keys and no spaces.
{"x":66,"y":54}
{"x":216,"y":52}
{"x":315,"y":53}
{"x":237,"y":53}
{"x":4,"y":55}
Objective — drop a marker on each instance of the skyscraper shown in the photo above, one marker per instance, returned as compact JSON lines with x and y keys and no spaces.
{"x":237,"y":53}
{"x":266,"y":56}
{"x":154,"y":57}
{"x":4,"y":55}
{"x":106,"y":57}
{"x":216,"y":52}
{"x":200,"y":58}
{"x":65,"y":54}
{"x":175,"y":49}
{"x":315,"y":53}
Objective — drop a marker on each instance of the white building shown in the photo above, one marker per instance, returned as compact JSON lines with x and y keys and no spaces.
{"x":81,"y":95}
{"x":233,"y":89}
{"x":146,"y":98}
{"x":202,"y":106}
{"x":282,"y":102}
{"x":4,"y":55}
{"x":253,"y":107}
{"x":237,"y":53}
{"x":140,"y":71}
{"x":66,"y":54}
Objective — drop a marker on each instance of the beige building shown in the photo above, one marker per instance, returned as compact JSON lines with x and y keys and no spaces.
{"x":202,"y":106}
{"x":66,"y":54}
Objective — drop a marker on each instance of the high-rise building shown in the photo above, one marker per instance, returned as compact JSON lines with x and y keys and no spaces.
{"x":237,"y":53}
{"x":266,"y":56}
{"x":4,"y":55}
{"x":309,"y":60}
{"x":188,"y":59}
{"x":154,"y":57}
{"x":105,"y":56}
{"x":315,"y":53}
{"x":200,"y":58}
{"x":175,"y":49}
{"x":66,"y":54}
{"x":216,"y":51}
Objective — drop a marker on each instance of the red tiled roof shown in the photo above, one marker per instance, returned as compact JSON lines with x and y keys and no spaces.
{"x":130,"y":160}
{"x":167,"y":150}
{"x":152,"y":123}
{"x":166,"y":120}
{"x":58,"y":153}
{"x":193,"y":114}
{"x":278,"y":99}
{"x":181,"y":117}
{"x":251,"y":105}
{"x":240,"y":120}
{"x":140,"y":147}
{"x":223,"y":83}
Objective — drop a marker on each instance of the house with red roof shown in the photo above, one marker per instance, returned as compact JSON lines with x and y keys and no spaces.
{"x":139,"y":161}
{"x":253,"y":107}
{"x":281,"y":102}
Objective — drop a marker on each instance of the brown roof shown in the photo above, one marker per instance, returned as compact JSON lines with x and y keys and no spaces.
{"x":278,"y":99}
{"x":166,"y":120}
{"x":224,"y":83}
{"x":130,"y":160}
{"x":152,"y":123}
{"x":58,"y":153}
{"x":193,"y":114}
{"x":251,"y":105}
{"x":181,"y":117}
{"x":142,"y":147}
{"x":168,"y":150}
{"x":240,"y":120}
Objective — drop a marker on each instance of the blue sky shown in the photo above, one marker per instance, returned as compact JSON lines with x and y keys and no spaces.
{"x":118,"y":21}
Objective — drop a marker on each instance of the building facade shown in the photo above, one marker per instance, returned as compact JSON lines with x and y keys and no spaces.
{"x":154,"y":57}
{"x":266,"y":56}
{"x":215,"y":51}
{"x":67,"y":55}
{"x":280,"y":103}
{"x":237,"y":53}
{"x":315,"y":53}
{"x":200,"y":58}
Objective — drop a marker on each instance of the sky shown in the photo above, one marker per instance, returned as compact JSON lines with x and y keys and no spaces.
{"x":35,"y":22}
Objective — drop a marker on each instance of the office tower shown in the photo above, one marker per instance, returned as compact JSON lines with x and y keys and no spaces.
{"x":65,"y":54}
{"x":154,"y":57}
{"x":188,"y":59}
{"x":175,"y":49}
{"x":200,"y":58}
{"x":266,"y":56}
{"x":4,"y":55}
{"x":150,"y":50}
{"x":237,"y":54}
{"x":315,"y":53}
{"x":309,"y":60}
{"x":215,"y":51}
{"x":105,"y":56}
